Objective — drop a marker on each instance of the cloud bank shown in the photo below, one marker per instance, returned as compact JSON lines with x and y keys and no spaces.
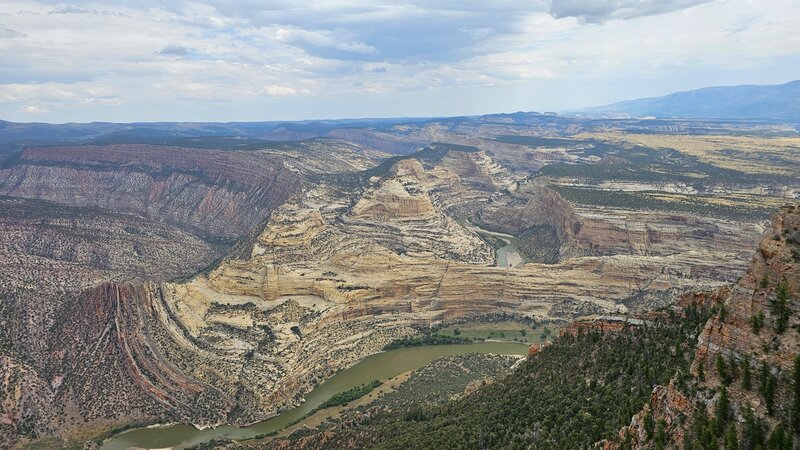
{"x":596,"y":11}
{"x":257,"y":60}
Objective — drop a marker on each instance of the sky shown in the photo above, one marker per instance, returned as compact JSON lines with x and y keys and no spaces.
{"x":248,"y":60}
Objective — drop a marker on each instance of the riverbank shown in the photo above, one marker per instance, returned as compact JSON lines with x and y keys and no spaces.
{"x":382,"y":366}
{"x":507,"y":255}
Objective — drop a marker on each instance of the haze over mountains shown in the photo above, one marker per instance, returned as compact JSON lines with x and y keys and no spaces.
{"x":774,"y":103}
{"x":768,"y":102}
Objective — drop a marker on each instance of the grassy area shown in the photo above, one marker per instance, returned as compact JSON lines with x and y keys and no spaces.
{"x":343,"y":398}
{"x":572,"y":394}
{"x":441,"y":380}
{"x":737,"y":207}
{"x":502,"y":331}
{"x":427,"y":339}
{"x":769,"y":156}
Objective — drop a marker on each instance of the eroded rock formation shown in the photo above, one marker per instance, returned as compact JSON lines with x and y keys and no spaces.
{"x":344,"y":265}
{"x":756,"y":326}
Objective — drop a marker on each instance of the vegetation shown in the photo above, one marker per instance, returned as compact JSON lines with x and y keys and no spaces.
{"x":441,"y":380}
{"x":757,"y":322}
{"x":536,"y":141}
{"x":706,"y":205}
{"x":428,"y":339}
{"x":577,"y":391}
{"x":780,"y":307}
{"x":511,"y":331}
{"x":343,"y":398}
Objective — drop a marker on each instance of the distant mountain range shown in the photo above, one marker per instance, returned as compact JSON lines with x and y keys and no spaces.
{"x":772,"y":102}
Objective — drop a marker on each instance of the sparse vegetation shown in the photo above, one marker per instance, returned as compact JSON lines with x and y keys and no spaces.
{"x":659,"y":201}
{"x":428,"y":339}
{"x":343,"y":398}
{"x":586,"y":386}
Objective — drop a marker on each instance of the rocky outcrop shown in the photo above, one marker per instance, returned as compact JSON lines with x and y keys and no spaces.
{"x":602,"y":324}
{"x":391,"y":200}
{"x":25,"y":401}
{"x":774,"y":268}
{"x":346,"y":266}
{"x":314,"y":297}
{"x":755,"y":326}
{"x":668,"y":407}
{"x":218,"y":195}
{"x":397,"y":212}
{"x":111,"y":373}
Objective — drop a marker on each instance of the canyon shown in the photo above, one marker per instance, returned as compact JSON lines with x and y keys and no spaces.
{"x":212,"y":284}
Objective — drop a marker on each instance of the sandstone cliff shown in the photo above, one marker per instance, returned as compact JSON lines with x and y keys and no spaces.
{"x":344,"y":265}
{"x":748,"y":350}
{"x":219,"y":195}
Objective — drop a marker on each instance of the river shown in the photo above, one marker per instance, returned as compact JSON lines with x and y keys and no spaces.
{"x":381,"y":366}
{"x":507,"y":255}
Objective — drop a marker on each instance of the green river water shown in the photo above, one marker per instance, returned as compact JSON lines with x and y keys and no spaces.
{"x":381,"y":366}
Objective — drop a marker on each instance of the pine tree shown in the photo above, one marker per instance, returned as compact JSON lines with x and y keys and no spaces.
{"x":733,"y":367}
{"x":661,"y":435}
{"x":627,"y":443}
{"x":780,"y":307}
{"x":769,"y":394}
{"x":752,"y":431}
{"x":648,"y":424}
{"x":757,"y":322}
{"x":747,"y":382}
{"x":731,"y":442}
{"x":796,"y":400}
{"x":722,"y":370}
{"x":723,"y":410}
{"x":777,"y":440}
{"x":763,"y":378}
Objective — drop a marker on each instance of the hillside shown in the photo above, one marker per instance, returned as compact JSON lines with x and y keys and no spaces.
{"x":771,"y":102}
{"x":217,"y":284}
{"x":743,"y":390}
{"x":732,"y":385}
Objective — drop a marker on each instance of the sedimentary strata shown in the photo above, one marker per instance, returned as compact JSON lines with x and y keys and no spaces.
{"x":327,"y":270}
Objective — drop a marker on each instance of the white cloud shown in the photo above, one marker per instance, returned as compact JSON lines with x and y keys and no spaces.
{"x":282,"y":91}
{"x":7,"y":33}
{"x":601,"y":10}
{"x":357,"y":47}
{"x":57,"y":95}
{"x":34,"y":109}
{"x":149,"y":55}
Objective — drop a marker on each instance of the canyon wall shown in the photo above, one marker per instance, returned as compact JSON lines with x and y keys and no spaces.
{"x":218,"y":195}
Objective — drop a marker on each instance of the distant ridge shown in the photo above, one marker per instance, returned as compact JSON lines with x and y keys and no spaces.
{"x":767,"y":102}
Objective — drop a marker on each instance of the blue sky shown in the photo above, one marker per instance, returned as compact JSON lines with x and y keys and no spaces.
{"x":219,"y":60}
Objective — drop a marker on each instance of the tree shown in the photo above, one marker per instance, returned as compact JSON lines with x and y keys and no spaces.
{"x":733,"y":367}
{"x":777,"y":440}
{"x":763,"y":378}
{"x":648,"y":424}
{"x":780,"y":307}
{"x":723,"y":411}
{"x":722,"y":370}
{"x":796,"y":400}
{"x":752,"y":431}
{"x":731,"y":442}
{"x":769,"y":394}
{"x":757,"y":322}
{"x":661,"y":435}
{"x":627,"y":442}
{"x":747,"y":382}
